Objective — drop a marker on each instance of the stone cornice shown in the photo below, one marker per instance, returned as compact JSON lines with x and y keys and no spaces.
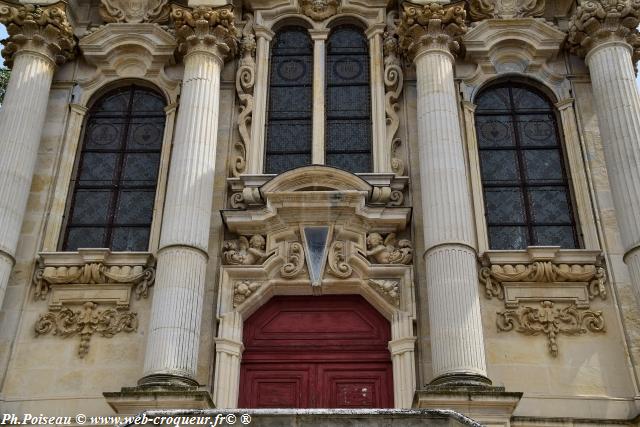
{"x":432,"y":25}
{"x":599,"y":21}
{"x":205,"y":28}
{"x":41,"y":29}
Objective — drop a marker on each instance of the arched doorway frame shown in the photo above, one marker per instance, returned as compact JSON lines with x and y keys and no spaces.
{"x":315,"y":195}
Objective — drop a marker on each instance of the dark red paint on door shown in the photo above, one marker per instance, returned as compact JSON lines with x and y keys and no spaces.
{"x":316,"y":352}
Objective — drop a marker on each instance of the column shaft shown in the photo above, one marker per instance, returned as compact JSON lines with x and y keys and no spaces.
{"x":618,"y":109}
{"x":22,"y":118}
{"x":174,"y":333}
{"x":452,"y":285}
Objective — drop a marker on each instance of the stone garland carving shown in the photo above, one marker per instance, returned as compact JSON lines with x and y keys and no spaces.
{"x":387,"y":289}
{"x":432,"y":24}
{"x":206,"y":27}
{"x":294,"y":260}
{"x":41,"y":28}
{"x":598,"y":20}
{"x":547,"y":272}
{"x":85,"y":323}
{"x":245,"y":80}
{"x":319,"y":10}
{"x":487,"y":9}
{"x":338,"y":260}
{"x":94,"y":273}
{"x":243,"y":290}
{"x":388,"y":250}
{"x":393,"y":83}
{"x":135,"y":11}
{"x":551,"y":322}
{"x":243,"y":251}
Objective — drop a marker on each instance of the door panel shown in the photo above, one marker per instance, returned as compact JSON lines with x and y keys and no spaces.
{"x":355,"y":385}
{"x":277,"y":386}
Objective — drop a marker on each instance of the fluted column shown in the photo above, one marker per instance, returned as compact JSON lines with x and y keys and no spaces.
{"x":206,"y":38}
{"x":429,"y":35}
{"x":605,"y":32}
{"x":39,"y":37}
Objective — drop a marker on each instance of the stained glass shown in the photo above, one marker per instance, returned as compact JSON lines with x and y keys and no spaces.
{"x":114,"y":190}
{"x":526,"y":191}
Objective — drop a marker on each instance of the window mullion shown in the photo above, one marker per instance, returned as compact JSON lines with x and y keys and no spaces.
{"x":319,"y":38}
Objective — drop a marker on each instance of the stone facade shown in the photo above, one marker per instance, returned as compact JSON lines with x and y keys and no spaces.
{"x":541,"y":335}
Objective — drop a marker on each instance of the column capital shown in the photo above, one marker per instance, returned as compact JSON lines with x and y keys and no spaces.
{"x":205,"y":28}
{"x":431,"y":26}
{"x":598,"y":21}
{"x":40,"y":29}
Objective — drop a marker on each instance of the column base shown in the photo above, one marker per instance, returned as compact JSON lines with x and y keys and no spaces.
{"x":490,"y":406}
{"x":167,"y":381}
{"x":133,"y":400}
{"x":461,"y":380}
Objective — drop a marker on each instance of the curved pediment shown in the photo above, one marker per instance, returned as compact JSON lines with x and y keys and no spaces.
{"x":315,"y":178}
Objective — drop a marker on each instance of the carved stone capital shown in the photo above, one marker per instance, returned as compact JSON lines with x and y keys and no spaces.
{"x":135,"y":11}
{"x":431,"y":26}
{"x":599,"y":21}
{"x":487,"y":9}
{"x":41,"y":29}
{"x":205,"y":28}
{"x":319,"y":10}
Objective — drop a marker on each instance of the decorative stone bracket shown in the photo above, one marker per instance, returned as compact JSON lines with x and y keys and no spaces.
{"x":88,"y":279}
{"x":548,"y":276}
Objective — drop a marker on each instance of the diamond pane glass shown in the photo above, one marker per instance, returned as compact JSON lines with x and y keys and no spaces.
{"x":494,"y":100}
{"x":356,"y":139}
{"x":499,"y":166}
{"x":549,"y":204}
{"x":537,"y":130}
{"x":355,"y":163}
{"x":543,"y":165}
{"x":508,"y":237}
{"x":116,"y":180}
{"x":278,"y":163}
{"x":526,"y":99}
{"x":548,"y":235}
{"x":495,"y":131}
{"x":504,"y":205}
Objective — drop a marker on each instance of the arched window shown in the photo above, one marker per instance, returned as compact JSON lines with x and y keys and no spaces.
{"x":115,"y":182}
{"x":289,"y":127}
{"x":526,"y":191}
{"x":348,"y":101}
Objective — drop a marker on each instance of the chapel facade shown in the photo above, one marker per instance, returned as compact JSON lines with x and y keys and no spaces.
{"x":322,"y":204}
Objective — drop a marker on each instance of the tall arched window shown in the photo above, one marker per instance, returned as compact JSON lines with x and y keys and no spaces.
{"x":115,"y":182}
{"x":526,"y":191}
{"x":289,"y":127}
{"x":348,"y":101}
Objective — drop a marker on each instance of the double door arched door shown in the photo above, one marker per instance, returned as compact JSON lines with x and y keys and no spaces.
{"x":316,"y":352}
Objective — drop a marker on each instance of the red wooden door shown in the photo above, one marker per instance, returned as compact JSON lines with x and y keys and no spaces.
{"x":316,"y":352}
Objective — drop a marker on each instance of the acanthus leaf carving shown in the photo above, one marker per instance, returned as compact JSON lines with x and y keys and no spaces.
{"x":294,"y":260}
{"x":85,"y":323}
{"x":242,"y":290}
{"x":135,"y":11}
{"x":243,"y":251}
{"x":393,"y":82}
{"x":488,"y":9}
{"x":551,"y":321}
{"x":338,"y":265}
{"x":245,"y":80}
{"x":204,"y":27}
{"x":319,"y":10}
{"x":387,"y":289}
{"x":388,"y":250}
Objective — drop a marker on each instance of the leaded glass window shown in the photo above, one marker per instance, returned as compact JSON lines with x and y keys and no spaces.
{"x":526,"y":191}
{"x":289,"y":127}
{"x":348,"y":101}
{"x":115,"y":184}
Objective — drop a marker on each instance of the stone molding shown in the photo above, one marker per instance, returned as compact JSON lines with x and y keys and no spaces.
{"x":548,"y":276}
{"x":488,"y":9}
{"x":599,"y":21}
{"x":135,"y":11}
{"x":319,"y":10}
{"x":41,"y":29}
{"x":85,"y":323}
{"x":204,"y":28}
{"x":432,"y":26}
{"x":245,"y":81}
{"x":393,"y":84}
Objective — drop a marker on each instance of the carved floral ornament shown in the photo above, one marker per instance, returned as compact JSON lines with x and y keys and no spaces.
{"x":135,"y":11}
{"x":432,"y":25}
{"x":486,"y":9}
{"x":204,"y":27}
{"x":319,"y":10}
{"x":570,"y":286}
{"x":596,"y":21}
{"x":43,"y":29}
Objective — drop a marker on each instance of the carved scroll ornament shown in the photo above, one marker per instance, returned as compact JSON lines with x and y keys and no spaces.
{"x":319,"y":10}
{"x":338,"y":265}
{"x":135,"y":11}
{"x":486,"y":9}
{"x":393,"y":83}
{"x":388,"y":250}
{"x":551,"y":321}
{"x":294,"y":260}
{"x":243,"y":251}
{"x":85,"y":323}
